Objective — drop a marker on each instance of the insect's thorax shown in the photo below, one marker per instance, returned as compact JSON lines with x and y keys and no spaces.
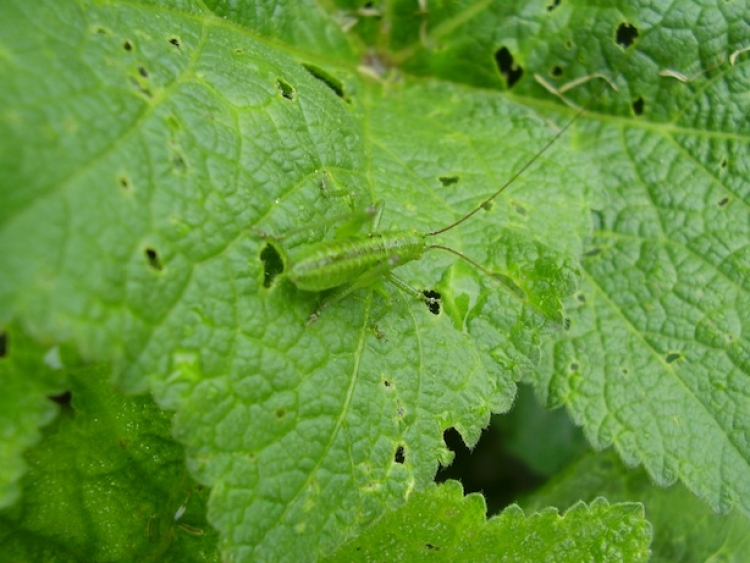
{"x":330,"y":264}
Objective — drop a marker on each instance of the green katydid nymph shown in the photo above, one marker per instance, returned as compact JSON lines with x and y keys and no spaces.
{"x":356,"y":260}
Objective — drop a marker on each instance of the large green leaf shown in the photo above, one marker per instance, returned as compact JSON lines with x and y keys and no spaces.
{"x":146,"y":145}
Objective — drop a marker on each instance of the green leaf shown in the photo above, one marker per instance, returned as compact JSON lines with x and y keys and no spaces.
{"x":107,"y":483}
{"x":684,"y":528}
{"x":146,"y":147}
{"x":24,"y":405}
{"x":658,"y":355}
{"x":439,"y":524}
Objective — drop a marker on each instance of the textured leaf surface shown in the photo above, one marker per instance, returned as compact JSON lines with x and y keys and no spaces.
{"x":27,"y":376}
{"x":107,"y":483}
{"x":657,"y":360}
{"x":145,"y":145}
{"x":439,"y":524}
{"x":685,"y":529}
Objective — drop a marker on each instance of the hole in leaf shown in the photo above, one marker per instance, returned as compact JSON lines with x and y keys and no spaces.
{"x":143,"y":72}
{"x":4,"y":342}
{"x":723,"y":201}
{"x":569,"y":45}
{"x":673,"y":357}
{"x":273,"y":265}
{"x":566,"y":323}
{"x":326,"y":78}
{"x":520,"y":209}
{"x":552,"y":5}
{"x":448,"y":180}
{"x":387,"y":383}
{"x":511,"y":285}
{"x":638,"y":105}
{"x":581,"y":297}
{"x":399,"y":457}
{"x":593,"y":252}
{"x":174,"y":41}
{"x":624,"y":371}
{"x":724,"y":162}
{"x":128,"y":46}
{"x":626,"y":35}
{"x":508,"y":68}
{"x":488,"y":468}
{"x":432,"y":300}
{"x":101,"y":30}
{"x":63,"y":399}
{"x":124,"y":183}
{"x":153,"y":259}
{"x":430,"y":547}
{"x":574,"y":366}
{"x":286,"y":89}
{"x":280,"y":413}
{"x":488,"y":205}
{"x":556,"y":70}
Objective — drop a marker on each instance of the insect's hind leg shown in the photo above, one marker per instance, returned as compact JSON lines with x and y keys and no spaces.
{"x":353,"y":223}
{"x":365,"y":279}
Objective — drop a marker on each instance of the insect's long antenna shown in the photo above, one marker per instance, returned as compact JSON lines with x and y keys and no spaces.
{"x":481,"y":268}
{"x":477,"y":265}
{"x":524,"y":167}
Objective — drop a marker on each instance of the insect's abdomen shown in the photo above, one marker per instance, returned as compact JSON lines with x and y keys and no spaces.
{"x":330,"y":264}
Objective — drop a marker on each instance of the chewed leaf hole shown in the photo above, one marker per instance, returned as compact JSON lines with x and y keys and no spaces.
{"x":556,"y":71}
{"x":638,"y":105}
{"x":448,"y":180}
{"x":574,"y":366}
{"x":328,"y":79}
{"x":724,"y":162}
{"x":174,"y":41}
{"x":430,"y":547}
{"x":581,"y":297}
{"x":280,"y":413}
{"x":153,"y":259}
{"x":127,"y":45}
{"x":399,"y":456}
{"x":673,"y":357}
{"x":507,"y":66}
{"x":566,"y":323}
{"x":626,"y":35}
{"x":552,"y":5}
{"x":286,"y":89}
{"x":142,"y":71}
{"x":488,"y":205}
{"x":723,"y":201}
{"x":273,"y":265}
{"x":124,"y":183}
{"x":3,"y":344}
{"x":432,"y":300}
{"x":593,"y":252}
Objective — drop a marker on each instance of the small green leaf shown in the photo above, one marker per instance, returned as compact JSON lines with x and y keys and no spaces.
{"x":684,"y":528}
{"x":107,"y":483}
{"x":440,"y":524}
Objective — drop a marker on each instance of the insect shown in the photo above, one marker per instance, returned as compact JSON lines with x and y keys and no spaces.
{"x":354,"y":260}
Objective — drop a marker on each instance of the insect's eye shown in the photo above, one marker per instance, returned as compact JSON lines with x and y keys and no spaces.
{"x":273,"y":265}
